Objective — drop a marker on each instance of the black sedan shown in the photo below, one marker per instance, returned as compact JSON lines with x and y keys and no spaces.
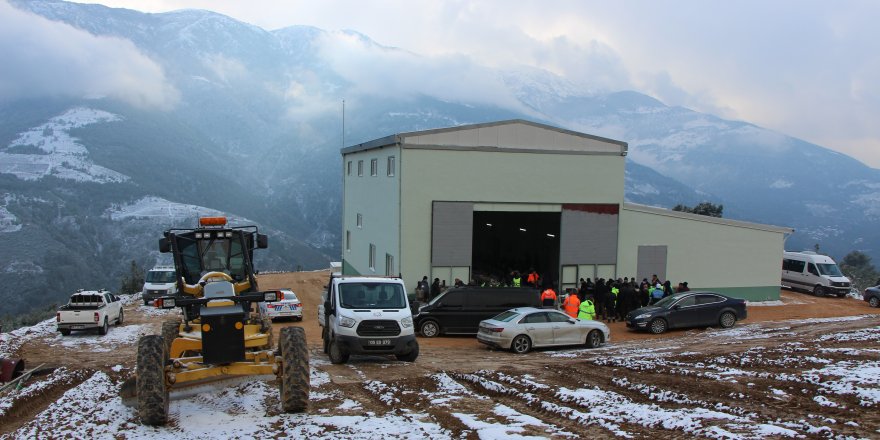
{"x":688,"y":309}
{"x":872,"y":296}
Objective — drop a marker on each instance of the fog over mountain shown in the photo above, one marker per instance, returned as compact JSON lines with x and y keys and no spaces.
{"x":115,"y":125}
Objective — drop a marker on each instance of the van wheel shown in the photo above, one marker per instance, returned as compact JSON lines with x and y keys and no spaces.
{"x":409,"y":357}
{"x":594,"y":339}
{"x":818,"y":291}
{"x":430,"y":329}
{"x":727,"y":320}
{"x":337,"y":354}
{"x":66,"y":331}
{"x":325,"y":339}
{"x":521,"y":344}
{"x":874,"y":302}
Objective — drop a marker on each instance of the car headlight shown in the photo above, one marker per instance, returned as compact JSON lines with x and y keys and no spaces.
{"x":643,"y":316}
{"x":406,"y":322}
{"x":345,"y":321}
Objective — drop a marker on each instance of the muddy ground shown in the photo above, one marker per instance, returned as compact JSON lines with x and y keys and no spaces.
{"x":809,"y":367}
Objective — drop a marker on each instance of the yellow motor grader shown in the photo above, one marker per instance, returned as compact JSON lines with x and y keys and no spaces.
{"x":219,"y":336}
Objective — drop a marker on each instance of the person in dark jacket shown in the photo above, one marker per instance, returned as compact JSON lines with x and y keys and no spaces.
{"x":600,"y":298}
{"x":667,"y":288}
{"x":435,"y":288}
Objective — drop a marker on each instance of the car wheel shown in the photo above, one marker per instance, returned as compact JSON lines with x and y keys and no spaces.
{"x":594,"y":339}
{"x":121,"y":317}
{"x":727,"y":320}
{"x":874,"y":301}
{"x":658,"y":326}
{"x":430,"y":329}
{"x":337,"y":354}
{"x":521,"y":344}
{"x":102,"y":330}
{"x":818,"y":291}
{"x":66,"y":331}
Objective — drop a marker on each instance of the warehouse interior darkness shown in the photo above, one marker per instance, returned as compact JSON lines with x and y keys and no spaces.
{"x":505,"y":241}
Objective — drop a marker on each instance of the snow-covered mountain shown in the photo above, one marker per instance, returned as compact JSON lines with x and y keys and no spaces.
{"x":255,"y":132}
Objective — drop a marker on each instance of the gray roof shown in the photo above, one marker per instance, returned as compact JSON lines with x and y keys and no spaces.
{"x":704,"y":218}
{"x":575,"y":142}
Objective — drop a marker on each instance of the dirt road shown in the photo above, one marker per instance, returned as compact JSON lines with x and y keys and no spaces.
{"x":807,"y":368}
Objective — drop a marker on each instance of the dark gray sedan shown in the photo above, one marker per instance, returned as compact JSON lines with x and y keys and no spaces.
{"x":872,"y":296}
{"x":688,"y":309}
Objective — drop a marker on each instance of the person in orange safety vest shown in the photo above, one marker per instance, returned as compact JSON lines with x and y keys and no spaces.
{"x":548,"y":297}
{"x":571,"y":304}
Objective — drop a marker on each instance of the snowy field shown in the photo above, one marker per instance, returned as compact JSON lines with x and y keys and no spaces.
{"x":814,"y":378}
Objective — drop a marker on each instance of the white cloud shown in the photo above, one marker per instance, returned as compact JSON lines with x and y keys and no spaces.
{"x":807,"y":68}
{"x":46,"y":58}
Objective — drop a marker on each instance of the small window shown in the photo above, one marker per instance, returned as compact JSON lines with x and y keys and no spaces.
{"x":812,"y":269}
{"x":372,"y":256}
{"x":558,"y":317}
{"x":389,"y":265}
{"x":360,"y":168}
{"x":390,"y":166}
{"x":360,"y":220}
{"x":348,"y":241}
{"x":535,"y":318}
{"x":687,"y":301}
{"x":709,"y":299}
{"x":374,"y":167}
{"x":348,"y":168}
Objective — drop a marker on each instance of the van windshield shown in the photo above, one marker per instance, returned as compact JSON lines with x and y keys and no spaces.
{"x":829,"y":270}
{"x":371,"y":296}
{"x":156,"y":276}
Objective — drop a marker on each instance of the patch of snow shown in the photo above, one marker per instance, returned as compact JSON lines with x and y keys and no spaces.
{"x":781,"y":184}
{"x":58,"y":153}
{"x":89,"y":340}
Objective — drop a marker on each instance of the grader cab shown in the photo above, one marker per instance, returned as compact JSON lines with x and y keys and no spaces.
{"x":220,"y":335}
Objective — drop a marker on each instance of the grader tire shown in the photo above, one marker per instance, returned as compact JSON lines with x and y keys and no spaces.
{"x":170,"y":330}
{"x":152,"y":394}
{"x":294,"y":370}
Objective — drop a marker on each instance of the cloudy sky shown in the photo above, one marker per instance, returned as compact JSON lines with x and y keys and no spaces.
{"x":807,"y":68}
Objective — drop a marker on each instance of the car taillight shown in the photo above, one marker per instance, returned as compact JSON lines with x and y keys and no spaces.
{"x":495,"y":329}
{"x":280,"y":295}
{"x":58,"y":317}
{"x":97,"y":316}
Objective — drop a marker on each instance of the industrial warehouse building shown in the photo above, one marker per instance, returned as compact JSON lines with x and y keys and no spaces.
{"x":483,"y":199}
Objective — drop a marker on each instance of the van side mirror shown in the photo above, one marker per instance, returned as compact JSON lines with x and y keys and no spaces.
{"x":262,"y":241}
{"x":328,"y":307}
{"x":164,"y":245}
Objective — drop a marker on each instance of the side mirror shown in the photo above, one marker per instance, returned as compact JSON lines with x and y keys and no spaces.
{"x":572,"y":321}
{"x":164,"y":245}
{"x":327,"y":307}
{"x":262,"y":241}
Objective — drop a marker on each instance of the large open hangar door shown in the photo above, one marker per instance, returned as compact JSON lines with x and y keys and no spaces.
{"x":510,"y":240}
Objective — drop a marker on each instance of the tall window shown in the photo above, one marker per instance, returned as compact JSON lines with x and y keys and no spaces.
{"x":360,"y":220}
{"x":348,"y":241}
{"x":360,"y":168}
{"x":372,"y":256}
{"x":348,"y":168}
{"x":390,"y":166}
{"x":389,"y":265}
{"x":374,"y":167}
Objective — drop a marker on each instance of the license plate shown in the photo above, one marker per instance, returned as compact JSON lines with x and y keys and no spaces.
{"x":379,"y":342}
{"x":77,"y":327}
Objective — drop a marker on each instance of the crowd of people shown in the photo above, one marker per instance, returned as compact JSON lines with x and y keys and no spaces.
{"x":608,"y":300}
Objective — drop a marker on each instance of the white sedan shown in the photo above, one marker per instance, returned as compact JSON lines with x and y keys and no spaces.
{"x":287,"y":306}
{"x":521,"y":329}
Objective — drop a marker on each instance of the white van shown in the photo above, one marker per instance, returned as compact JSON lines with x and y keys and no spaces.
{"x":160,"y":281}
{"x":368,"y":315}
{"x":814,"y":273}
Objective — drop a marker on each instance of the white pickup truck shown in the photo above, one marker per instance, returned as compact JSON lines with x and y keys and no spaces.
{"x":89,"y":310}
